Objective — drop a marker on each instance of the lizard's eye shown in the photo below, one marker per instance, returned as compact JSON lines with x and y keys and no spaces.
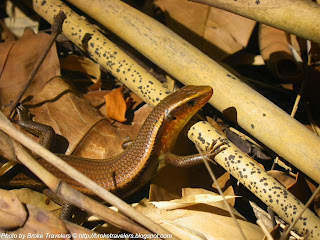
{"x":191,"y":102}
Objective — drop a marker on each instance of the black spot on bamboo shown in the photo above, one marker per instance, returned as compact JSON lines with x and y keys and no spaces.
{"x":201,"y":139}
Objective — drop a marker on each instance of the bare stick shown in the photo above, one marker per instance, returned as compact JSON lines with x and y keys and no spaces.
{"x":257,"y":180}
{"x":205,"y":160}
{"x":79,"y":177}
{"x":287,"y":233}
{"x":56,"y":29}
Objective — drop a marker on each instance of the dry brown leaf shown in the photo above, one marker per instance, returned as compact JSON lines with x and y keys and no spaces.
{"x":168,"y":183}
{"x":216,"y":32}
{"x":96,"y":98}
{"x":223,"y":181}
{"x":297,"y":186}
{"x":116,"y":105}
{"x":226,"y":187}
{"x":284,"y":178}
{"x":5,"y":33}
{"x":275,"y":51}
{"x":186,"y":202}
{"x":17,"y":60}
{"x":210,"y":220}
{"x":20,"y":17}
{"x":12,"y":212}
{"x":300,"y":188}
{"x":40,"y":224}
{"x":275,"y":233}
{"x":262,"y":215}
{"x":79,"y":233}
{"x":28,"y":196}
{"x":83,"y":65}
{"x":85,"y":131}
{"x":5,"y":48}
{"x":162,"y":187}
{"x":32,"y":222}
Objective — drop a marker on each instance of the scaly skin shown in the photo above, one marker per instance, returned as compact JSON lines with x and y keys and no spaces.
{"x":131,"y":169}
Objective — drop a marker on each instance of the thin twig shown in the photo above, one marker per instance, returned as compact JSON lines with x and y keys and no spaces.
{"x":297,"y":101}
{"x":81,"y":178}
{"x":220,"y":191}
{"x":56,"y":29}
{"x":297,"y":218}
{"x":74,"y":197}
{"x":264,"y":229}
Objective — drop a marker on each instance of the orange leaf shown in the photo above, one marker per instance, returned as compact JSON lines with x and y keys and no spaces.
{"x":116,"y":106}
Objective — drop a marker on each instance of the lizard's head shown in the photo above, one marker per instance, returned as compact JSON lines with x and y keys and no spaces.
{"x":178,"y":108}
{"x":184,"y":103}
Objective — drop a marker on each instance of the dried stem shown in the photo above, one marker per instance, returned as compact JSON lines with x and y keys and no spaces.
{"x":54,"y":183}
{"x":205,"y":160}
{"x":54,"y":34}
{"x":256,"y":179}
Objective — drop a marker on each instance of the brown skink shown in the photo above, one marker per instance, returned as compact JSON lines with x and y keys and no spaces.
{"x":131,"y":169}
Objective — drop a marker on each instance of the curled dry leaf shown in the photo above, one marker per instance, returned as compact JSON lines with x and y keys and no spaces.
{"x":196,"y":199}
{"x":300,"y":188}
{"x":87,"y":133}
{"x":33,"y":222}
{"x":40,"y":224}
{"x":12,"y":212}
{"x":224,"y":183}
{"x":275,"y":51}
{"x":5,"y":33}
{"x":209,"y":220}
{"x":28,"y":196}
{"x":216,"y":32}
{"x":163,"y":189}
{"x":116,"y":105}
{"x":275,"y":232}
{"x":298,"y":185}
{"x":17,"y":60}
{"x":19,"y":17}
{"x":78,"y":233}
{"x":83,"y":65}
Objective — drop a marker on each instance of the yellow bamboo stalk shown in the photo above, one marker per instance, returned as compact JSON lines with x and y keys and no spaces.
{"x":300,"y":17}
{"x":47,"y":12}
{"x":251,"y":175}
{"x":254,"y":113}
{"x":105,"y":52}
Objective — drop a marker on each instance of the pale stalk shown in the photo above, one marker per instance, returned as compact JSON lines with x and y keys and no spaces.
{"x":236,"y":100}
{"x":256,"y":179}
{"x":299,"y":17}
